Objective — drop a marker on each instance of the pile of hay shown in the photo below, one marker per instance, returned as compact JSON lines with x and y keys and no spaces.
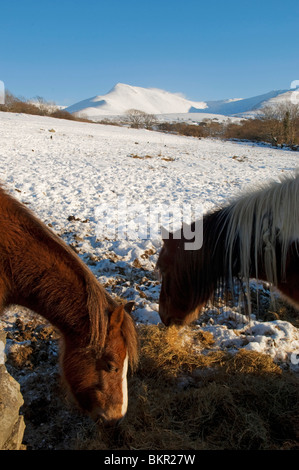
{"x":180,"y":399}
{"x":184,"y":395}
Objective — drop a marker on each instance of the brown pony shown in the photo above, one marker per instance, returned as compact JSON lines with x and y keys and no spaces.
{"x":39,"y":271}
{"x":256,"y":236}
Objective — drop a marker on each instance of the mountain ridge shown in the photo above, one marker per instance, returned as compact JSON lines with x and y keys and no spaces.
{"x":123,"y":97}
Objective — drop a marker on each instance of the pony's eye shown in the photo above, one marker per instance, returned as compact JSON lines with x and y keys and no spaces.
{"x":107,"y":364}
{"x":111,"y":367}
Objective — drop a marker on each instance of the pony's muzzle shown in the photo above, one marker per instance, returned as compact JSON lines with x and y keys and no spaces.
{"x":102,"y":419}
{"x":166,"y":321}
{"x":113,"y":424}
{"x":109,"y":425}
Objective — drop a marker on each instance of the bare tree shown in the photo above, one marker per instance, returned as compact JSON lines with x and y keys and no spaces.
{"x":137,"y":118}
{"x":46,"y":107}
{"x":282,"y":120}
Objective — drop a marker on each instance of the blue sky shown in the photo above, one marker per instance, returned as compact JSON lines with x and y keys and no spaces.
{"x":69,"y":50}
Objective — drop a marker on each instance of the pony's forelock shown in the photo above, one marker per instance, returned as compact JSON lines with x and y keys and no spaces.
{"x":131,"y":339}
{"x":197,"y":273}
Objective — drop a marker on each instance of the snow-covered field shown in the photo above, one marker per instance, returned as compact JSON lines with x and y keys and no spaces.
{"x":66,"y":172}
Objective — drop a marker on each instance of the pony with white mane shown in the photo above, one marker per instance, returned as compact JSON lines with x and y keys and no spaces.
{"x":255,"y":236}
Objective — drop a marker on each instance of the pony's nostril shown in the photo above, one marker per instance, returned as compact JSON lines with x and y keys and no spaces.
{"x":101,"y":419}
{"x":113,"y":423}
{"x":110,"y":424}
{"x":166,"y":321}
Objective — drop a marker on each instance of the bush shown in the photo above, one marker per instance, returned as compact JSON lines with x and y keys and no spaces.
{"x":278,"y":131}
{"x":17,"y":105}
{"x":38,"y":106}
{"x":61,"y":114}
{"x":252,"y":129}
{"x":181,"y":128}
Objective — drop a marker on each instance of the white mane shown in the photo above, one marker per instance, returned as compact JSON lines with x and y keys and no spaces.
{"x":260,"y":220}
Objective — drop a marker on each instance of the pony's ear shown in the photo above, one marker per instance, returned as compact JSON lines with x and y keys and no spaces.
{"x":117,"y":317}
{"x":129,"y":306}
{"x":165,"y":234}
{"x":170,"y":240}
{"x":177,"y":235}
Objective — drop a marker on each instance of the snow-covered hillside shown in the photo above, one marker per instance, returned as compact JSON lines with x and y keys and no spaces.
{"x":125,"y":97}
{"x":67,"y":172}
{"x":159,"y":102}
{"x":246,"y":105}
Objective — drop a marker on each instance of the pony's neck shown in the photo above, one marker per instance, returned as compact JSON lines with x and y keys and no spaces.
{"x":59,"y":295}
{"x":43,"y":274}
{"x":39,"y":271}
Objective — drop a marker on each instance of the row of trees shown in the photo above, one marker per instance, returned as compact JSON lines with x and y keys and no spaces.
{"x":277,"y":125}
{"x":283,"y":123}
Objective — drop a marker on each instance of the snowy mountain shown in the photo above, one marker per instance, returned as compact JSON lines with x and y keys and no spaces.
{"x":124,"y":97}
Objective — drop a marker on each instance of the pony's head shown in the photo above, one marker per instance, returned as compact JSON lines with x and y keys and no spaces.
{"x":98,"y":378}
{"x":190,"y":276}
{"x":179,"y":275}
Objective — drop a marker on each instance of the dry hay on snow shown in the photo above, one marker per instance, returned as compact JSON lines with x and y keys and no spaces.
{"x":178,"y":398}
